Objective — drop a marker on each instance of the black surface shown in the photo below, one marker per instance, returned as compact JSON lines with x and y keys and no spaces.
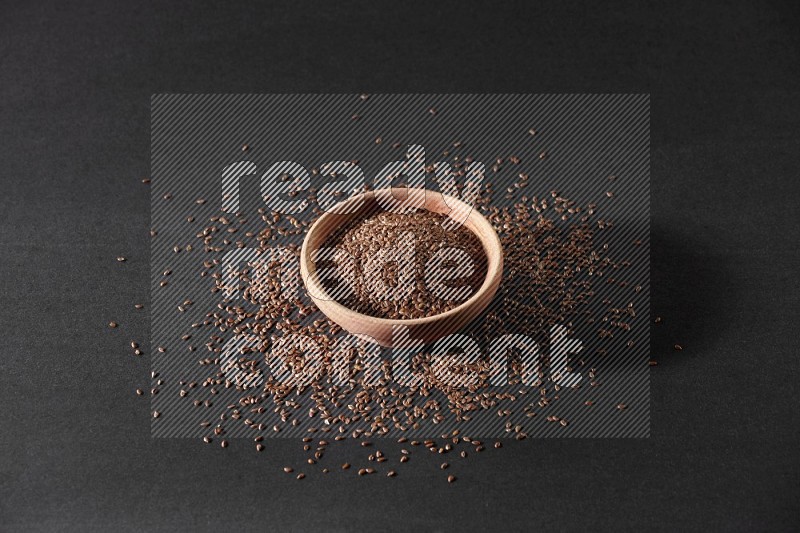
{"x":75,"y":85}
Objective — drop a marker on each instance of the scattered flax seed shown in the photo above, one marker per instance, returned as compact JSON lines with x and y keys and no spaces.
{"x":532,"y":131}
{"x":207,"y":440}
{"x":652,"y":362}
{"x":139,"y":392}
{"x":444,"y":466}
{"x":224,"y":444}
{"x":162,"y":349}
{"x":498,"y":444}
{"x":610,"y":194}
{"x":245,"y":148}
{"x":112,"y":324}
{"x":259,"y":447}
{"x":301,"y":476}
{"x":658,"y":320}
{"x":363,"y":96}
{"x":678,"y":347}
{"x":145,"y":180}
{"x":156,"y":414}
{"x":621,"y":406}
{"x":386,"y":409}
{"x":432,"y":111}
{"x":138,"y":306}
{"x":542,"y":155}
{"x":121,"y":259}
{"x":288,"y":469}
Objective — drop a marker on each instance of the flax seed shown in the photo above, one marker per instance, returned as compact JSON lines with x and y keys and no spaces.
{"x":525,"y":229}
{"x":362,"y":237}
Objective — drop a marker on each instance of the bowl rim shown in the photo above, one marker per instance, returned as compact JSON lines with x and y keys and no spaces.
{"x":494,"y":266}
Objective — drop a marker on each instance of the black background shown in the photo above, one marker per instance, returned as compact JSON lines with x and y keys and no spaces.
{"x":75,"y":87}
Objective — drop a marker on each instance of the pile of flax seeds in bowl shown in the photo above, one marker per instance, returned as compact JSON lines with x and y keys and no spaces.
{"x":546,"y":240}
{"x":398,"y":286}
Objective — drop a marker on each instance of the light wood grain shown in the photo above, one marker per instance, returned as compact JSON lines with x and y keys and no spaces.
{"x":427,"y":329}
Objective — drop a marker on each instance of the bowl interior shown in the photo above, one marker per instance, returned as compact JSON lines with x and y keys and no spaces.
{"x":365,"y":204}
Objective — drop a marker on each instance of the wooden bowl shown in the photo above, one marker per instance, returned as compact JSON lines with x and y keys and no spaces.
{"x":428,"y":329}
